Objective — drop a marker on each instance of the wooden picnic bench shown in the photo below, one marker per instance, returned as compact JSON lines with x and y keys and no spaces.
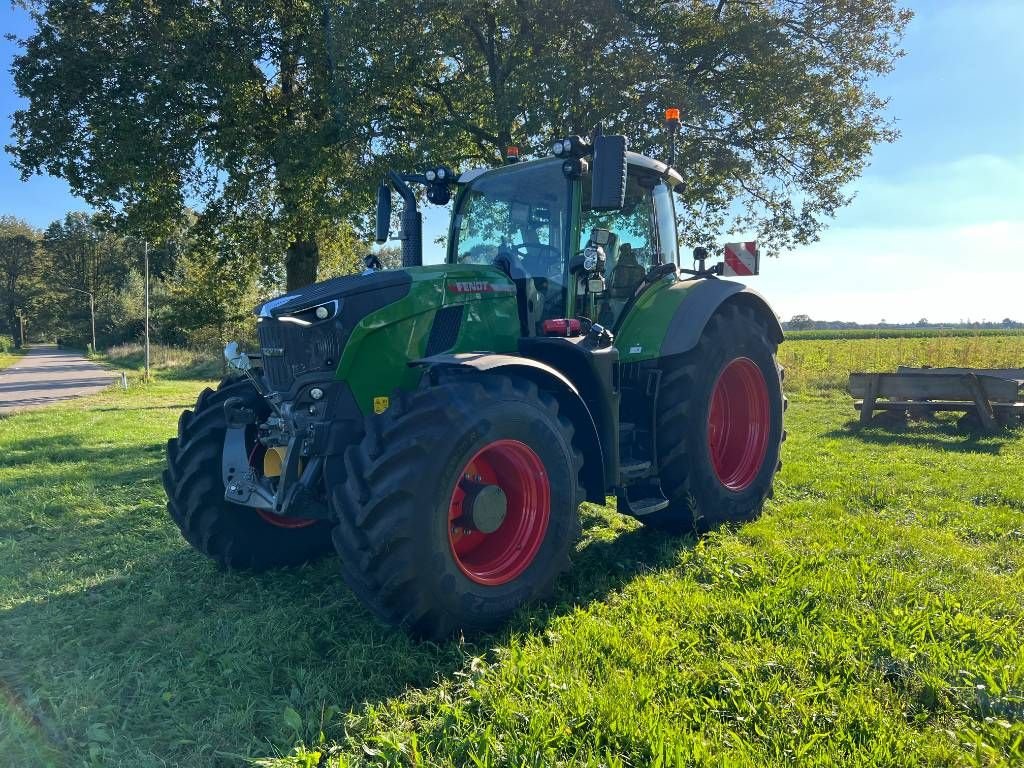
{"x":994,"y":396}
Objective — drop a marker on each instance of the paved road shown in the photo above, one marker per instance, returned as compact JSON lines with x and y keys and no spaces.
{"x":47,"y":375}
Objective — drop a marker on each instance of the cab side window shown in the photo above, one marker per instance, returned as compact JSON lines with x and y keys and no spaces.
{"x":633,"y":247}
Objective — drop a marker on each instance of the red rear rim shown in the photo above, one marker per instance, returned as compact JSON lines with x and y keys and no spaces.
{"x":499,"y":557}
{"x":738,"y":424}
{"x":280,"y":521}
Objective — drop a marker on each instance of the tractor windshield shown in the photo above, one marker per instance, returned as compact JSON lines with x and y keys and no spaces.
{"x":518,"y":215}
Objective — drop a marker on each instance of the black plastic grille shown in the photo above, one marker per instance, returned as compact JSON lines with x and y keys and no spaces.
{"x":278,"y":345}
{"x":444,"y":331}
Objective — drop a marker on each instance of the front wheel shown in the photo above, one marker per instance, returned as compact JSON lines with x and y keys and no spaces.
{"x":234,"y":536}
{"x":720,"y":427}
{"x":459,"y":505}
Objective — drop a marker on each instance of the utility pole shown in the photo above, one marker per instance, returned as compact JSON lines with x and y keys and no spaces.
{"x":145,"y":251}
{"x":20,"y":314}
{"x":92,"y":320}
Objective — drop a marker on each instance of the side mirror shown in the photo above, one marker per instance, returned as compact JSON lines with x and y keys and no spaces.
{"x":608,"y":173}
{"x":235,"y":359}
{"x":383,"y":212}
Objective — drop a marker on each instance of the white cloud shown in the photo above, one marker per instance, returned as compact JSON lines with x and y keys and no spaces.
{"x":954,"y":273}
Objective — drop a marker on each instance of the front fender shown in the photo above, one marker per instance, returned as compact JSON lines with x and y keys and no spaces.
{"x":572,"y":405}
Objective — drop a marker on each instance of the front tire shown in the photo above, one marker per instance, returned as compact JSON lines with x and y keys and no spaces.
{"x":459,"y":505}
{"x":234,"y":536}
{"x":720,"y":425}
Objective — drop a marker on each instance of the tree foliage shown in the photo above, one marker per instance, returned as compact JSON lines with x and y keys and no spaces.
{"x":229,"y":107}
{"x":778,"y":112}
{"x":20,"y":281}
{"x":274,"y":119}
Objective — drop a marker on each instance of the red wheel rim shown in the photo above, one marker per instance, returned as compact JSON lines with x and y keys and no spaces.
{"x":279,"y":521}
{"x":499,"y":557}
{"x":285,"y":522}
{"x":738,"y":424}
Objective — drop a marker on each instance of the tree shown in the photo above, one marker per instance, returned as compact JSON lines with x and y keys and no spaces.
{"x":778,"y":112}
{"x":801,"y":322}
{"x":253,"y":111}
{"x":275,"y":118}
{"x":19,"y":272}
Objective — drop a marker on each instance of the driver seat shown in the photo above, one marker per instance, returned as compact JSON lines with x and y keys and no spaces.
{"x":627,"y":275}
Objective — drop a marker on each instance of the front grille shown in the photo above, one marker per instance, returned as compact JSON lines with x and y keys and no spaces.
{"x":290,"y":350}
{"x":278,"y":345}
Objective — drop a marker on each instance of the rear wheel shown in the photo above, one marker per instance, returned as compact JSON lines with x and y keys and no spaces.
{"x":460,"y":504}
{"x":720,"y":425}
{"x":232,"y":535}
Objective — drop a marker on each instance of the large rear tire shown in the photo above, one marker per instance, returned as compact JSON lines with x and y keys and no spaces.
{"x":234,"y":536}
{"x":459,"y":505}
{"x":720,"y":425}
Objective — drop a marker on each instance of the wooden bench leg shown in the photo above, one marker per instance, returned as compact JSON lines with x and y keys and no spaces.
{"x":867,"y":408}
{"x":983,"y":406}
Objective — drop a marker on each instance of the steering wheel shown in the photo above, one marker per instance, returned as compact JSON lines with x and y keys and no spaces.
{"x":523,"y":251}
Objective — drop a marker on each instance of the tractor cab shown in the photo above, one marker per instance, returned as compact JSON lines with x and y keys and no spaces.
{"x":532,"y":219}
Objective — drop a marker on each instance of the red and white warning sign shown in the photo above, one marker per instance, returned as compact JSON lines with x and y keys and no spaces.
{"x":741,"y":259}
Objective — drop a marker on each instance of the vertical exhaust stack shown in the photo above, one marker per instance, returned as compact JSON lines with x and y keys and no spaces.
{"x":411,"y":233}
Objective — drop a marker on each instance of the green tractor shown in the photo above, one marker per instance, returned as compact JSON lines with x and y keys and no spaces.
{"x":440,"y":425}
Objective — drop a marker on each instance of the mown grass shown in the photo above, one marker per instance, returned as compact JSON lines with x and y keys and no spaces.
{"x":873,"y":616}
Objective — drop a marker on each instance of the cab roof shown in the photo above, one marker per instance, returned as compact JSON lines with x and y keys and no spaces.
{"x":632,"y":158}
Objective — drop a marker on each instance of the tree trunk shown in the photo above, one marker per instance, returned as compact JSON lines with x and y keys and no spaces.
{"x":301,"y":262}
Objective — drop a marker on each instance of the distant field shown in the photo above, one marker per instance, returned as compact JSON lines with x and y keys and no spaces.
{"x":874,"y":616}
{"x":901,"y":333}
{"x":816,"y":365}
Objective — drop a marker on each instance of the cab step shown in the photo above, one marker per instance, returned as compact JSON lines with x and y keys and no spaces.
{"x":647,"y":506}
{"x":642,"y":499}
{"x":633,"y":469}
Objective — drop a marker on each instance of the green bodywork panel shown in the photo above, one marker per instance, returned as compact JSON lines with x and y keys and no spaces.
{"x":376,"y":355}
{"x":643,"y":329}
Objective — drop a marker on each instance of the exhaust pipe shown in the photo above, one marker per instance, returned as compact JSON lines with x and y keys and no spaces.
{"x":411,"y":233}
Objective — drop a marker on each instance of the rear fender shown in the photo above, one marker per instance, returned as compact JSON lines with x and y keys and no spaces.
{"x":692,"y":315}
{"x":683,"y":310}
{"x":550,"y":380}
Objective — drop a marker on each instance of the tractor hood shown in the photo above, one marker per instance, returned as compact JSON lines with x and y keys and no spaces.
{"x":319,"y":293}
{"x":370,"y":326}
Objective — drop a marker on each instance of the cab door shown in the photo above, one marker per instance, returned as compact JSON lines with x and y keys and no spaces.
{"x":642,"y":236}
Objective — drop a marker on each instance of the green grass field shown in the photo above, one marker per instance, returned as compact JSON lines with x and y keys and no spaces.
{"x":873,"y":616}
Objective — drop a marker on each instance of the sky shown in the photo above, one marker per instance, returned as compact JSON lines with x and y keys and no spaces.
{"x":936,"y":229}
